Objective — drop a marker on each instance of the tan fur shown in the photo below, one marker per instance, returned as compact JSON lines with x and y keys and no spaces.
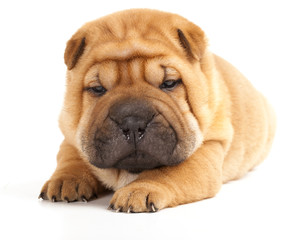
{"x":230,"y":123}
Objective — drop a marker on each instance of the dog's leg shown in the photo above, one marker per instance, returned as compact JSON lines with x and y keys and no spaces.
{"x":72,"y":179}
{"x":198,"y":177}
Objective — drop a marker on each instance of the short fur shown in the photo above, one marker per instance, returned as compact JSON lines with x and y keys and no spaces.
{"x":224,"y":126}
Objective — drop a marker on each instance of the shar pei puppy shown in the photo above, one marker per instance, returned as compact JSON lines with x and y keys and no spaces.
{"x":152,"y":114}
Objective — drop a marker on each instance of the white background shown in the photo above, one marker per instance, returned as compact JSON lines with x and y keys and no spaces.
{"x":258,"y":37}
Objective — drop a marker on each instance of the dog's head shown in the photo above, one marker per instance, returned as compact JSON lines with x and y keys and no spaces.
{"x":137,"y":91}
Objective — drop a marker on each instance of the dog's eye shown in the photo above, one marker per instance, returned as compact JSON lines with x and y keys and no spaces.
{"x":97,"y":91}
{"x":170,"y":84}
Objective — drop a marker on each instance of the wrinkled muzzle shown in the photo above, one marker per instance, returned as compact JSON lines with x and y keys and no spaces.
{"x":134,"y":137}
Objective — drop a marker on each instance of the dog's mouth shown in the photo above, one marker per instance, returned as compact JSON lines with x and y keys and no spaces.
{"x":137,"y":162}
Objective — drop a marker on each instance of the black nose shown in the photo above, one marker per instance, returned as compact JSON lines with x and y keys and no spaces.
{"x":132,"y":116}
{"x":133,"y":128}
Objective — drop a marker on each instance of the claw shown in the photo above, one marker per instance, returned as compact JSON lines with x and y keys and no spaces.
{"x":129,"y":209}
{"x":154,"y":209}
{"x":111,"y":207}
{"x":67,"y":199}
{"x":84,"y":199}
{"x":41,"y":196}
{"x":119,"y":209}
{"x":53,"y":199}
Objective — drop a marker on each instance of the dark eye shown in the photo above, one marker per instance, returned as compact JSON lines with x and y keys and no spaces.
{"x":170,"y":84}
{"x":97,"y":91}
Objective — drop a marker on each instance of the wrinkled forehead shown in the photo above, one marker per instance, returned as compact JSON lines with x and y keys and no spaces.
{"x":130,"y":58}
{"x":123,"y":36}
{"x":128,"y":50}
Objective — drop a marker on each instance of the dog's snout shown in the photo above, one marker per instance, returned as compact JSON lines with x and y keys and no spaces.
{"x":135,"y":137}
{"x":132,"y":116}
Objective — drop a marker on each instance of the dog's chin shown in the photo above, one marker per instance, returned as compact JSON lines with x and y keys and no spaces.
{"x":137,"y":162}
{"x":135,"y":170}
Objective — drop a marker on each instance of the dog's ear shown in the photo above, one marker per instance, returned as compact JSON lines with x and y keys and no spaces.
{"x":192,"y":39}
{"x":74,"y":50}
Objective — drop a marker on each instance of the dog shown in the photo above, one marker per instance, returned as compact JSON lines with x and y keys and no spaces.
{"x":150,"y":113}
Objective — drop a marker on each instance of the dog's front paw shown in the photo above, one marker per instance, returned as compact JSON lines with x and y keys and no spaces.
{"x":141,"y":197}
{"x":69,"y":188}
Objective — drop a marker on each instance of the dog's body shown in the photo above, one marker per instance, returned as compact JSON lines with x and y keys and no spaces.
{"x":151,"y":113}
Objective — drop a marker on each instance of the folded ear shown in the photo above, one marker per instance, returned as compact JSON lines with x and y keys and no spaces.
{"x":74,"y":50}
{"x":193,"y":41}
